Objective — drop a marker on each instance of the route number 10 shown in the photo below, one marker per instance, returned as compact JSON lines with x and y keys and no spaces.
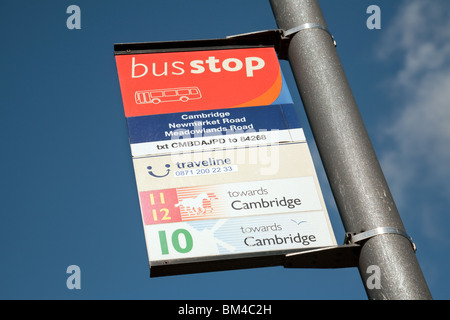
{"x":181,"y":246}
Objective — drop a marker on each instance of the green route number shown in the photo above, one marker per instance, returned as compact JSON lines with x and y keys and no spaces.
{"x":176,"y":235}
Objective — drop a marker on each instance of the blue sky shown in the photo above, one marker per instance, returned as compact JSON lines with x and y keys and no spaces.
{"x":67,"y":185}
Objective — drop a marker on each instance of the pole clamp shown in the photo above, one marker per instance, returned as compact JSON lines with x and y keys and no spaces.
{"x":279,"y":38}
{"x":288,"y":33}
{"x":353,"y":238}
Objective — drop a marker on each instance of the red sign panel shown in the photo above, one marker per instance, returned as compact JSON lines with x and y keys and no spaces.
{"x":158,"y":83}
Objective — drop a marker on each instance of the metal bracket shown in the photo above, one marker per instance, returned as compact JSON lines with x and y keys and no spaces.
{"x":345,"y":256}
{"x":281,"y":38}
{"x":353,"y":238}
{"x":280,"y":42}
{"x":290,"y":32}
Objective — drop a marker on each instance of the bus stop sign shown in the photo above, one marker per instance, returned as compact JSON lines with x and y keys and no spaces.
{"x":224,"y":174}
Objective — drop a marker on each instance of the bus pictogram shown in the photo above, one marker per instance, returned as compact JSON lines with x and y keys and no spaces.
{"x":167,"y":95}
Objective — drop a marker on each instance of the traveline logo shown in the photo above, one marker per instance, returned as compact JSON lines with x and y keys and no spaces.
{"x":203,"y":163}
{"x":211,"y":64}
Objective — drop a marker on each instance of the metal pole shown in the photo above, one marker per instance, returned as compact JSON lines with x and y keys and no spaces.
{"x":356,"y":179}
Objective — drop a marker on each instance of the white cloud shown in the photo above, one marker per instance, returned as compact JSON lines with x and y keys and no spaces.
{"x":420,"y":34}
{"x":419,"y":161}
